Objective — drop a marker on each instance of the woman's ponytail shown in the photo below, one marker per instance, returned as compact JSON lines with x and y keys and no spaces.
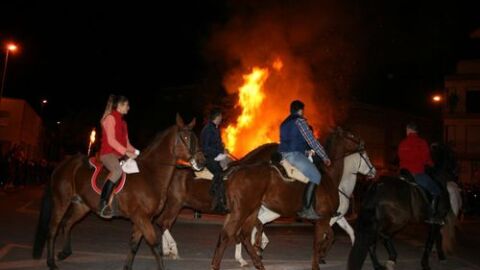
{"x":109,"y":107}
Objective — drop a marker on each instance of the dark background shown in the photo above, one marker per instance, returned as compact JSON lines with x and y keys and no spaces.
{"x":75,"y":54}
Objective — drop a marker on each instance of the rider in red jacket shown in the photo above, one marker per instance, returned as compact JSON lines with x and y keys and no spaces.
{"x":414,"y":155}
{"x":114,"y":145}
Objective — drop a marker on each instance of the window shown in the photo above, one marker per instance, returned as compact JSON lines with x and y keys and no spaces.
{"x":473,"y":101}
{"x":4,"y":117}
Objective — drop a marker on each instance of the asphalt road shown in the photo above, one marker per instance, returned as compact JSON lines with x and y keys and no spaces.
{"x":99,"y":244}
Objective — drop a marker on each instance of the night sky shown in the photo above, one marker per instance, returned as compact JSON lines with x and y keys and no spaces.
{"x":75,"y":54}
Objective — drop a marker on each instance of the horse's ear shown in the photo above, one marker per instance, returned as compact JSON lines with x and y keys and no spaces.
{"x":180,"y":122}
{"x":192,"y":123}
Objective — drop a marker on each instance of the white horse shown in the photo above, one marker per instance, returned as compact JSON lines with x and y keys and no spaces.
{"x":357,"y":163}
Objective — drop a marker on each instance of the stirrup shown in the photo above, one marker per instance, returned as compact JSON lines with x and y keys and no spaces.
{"x":105,"y":208}
{"x":308,"y":213}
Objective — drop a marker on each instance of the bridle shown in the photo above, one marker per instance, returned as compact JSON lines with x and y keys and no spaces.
{"x":181,"y":163}
{"x":192,"y":151}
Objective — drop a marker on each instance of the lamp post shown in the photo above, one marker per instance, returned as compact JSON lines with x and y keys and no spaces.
{"x":10,"y":48}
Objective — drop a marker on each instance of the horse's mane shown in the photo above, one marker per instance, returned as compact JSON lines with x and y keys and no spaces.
{"x":155,"y":142}
{"x":330,"y":142}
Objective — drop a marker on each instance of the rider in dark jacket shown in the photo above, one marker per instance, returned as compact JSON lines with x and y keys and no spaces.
{"x":214,"y":151}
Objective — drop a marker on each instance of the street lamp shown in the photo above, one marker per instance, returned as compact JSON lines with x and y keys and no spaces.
{"x":437,"y":98}
{"x":9,"y":48}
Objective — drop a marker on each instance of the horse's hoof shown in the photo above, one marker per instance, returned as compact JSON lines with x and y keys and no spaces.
{"x":63,"y":255}
{"x":426,"y":267}
{"x":390,"y":265}
{"x":442,"y":258}
{"x":51,"y":264}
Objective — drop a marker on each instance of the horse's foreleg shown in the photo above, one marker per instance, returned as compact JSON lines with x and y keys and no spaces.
{"x":343,"y":223}
{"x":238,"y":255}
{"x":439,"y":246}
{"x":392,"y":253}
{"x":135,"y":241}
{"x":147,"y":229}
{"x":76,"y":213}
{"x":372,"y":250}
{"x":432,"y":235}
{"x":165,"y":222}
{"x":59,"y":209}
{"x":169,"y":245}
{"x":322,"y":243}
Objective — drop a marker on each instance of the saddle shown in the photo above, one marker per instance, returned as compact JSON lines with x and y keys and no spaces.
{"x":287,"y":171}
{"x":100,"y":175}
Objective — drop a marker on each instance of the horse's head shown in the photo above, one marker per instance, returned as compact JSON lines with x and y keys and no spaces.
{"x":364,"y":165}
{"x":343,"y":143}
{"x":187,"y":149}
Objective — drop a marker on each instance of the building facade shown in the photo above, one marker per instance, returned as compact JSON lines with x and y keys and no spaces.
{"x":462,"y":118}
{"x":21,"y":126}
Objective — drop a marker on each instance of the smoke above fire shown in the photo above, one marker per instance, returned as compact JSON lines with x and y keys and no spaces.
{"x":273,"y":54}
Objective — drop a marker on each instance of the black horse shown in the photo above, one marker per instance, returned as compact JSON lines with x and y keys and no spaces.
{"x":392,"y":203}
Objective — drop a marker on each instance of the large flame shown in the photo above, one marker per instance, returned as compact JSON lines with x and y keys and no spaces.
{"x":250,"y":98}
{"x":264,"y":96}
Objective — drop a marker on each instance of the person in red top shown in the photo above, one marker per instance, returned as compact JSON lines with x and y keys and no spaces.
{"x":414,"y":155}
{"x":114,"y":145}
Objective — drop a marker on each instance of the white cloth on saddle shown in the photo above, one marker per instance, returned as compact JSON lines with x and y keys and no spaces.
{"x":293,"y":172}
{"x":220,"y":157}
{"x":130,"y":166}
{"x":204,"y":174}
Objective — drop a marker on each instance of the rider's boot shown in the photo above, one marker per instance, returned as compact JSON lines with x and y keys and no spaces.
{"x":433,"y":212}
{"x":104,"y":209}
{"x":218,"y":190}
{"x":308,"y":212}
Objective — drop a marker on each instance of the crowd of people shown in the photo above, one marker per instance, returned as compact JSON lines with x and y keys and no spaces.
{"x":17,"y":170}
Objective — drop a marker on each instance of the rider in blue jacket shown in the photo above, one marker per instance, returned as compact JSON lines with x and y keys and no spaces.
{"x":295,"y":139}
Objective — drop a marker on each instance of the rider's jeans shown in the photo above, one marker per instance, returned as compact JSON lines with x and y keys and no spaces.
{"x":303,"y":164}
{"x":426,"y":182}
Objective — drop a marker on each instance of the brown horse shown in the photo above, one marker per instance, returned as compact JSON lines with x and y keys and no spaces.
{"x":69,"y":196}
{"x":187,"y":192}
{"x":252,"y":186}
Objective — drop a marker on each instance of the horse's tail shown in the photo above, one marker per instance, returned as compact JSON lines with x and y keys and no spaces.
{"x":448,"y":232}
{"x":43,"y":222}
{"x":365,"y":230}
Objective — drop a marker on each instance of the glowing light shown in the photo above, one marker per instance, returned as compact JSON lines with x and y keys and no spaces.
{"x":12,"y":47}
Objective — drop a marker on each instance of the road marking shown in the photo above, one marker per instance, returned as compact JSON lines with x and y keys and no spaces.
{"x":24,"y":209}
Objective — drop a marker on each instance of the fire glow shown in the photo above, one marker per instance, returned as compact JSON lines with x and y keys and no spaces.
{"x":250,"y":99}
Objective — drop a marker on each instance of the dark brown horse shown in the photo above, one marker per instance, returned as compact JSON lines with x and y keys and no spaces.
{"x":252,"y":186}
{"x":69,"y":196}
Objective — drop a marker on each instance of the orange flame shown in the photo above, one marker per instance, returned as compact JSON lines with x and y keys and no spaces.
{"x":250,"y":99}
{"x":264,"y":97}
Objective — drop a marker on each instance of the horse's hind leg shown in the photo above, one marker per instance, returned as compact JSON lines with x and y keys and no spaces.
{"x":230,"y":229}
{"x":75,"y":213}
{"x":135,"y":241}
{"x":59,"y":209}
